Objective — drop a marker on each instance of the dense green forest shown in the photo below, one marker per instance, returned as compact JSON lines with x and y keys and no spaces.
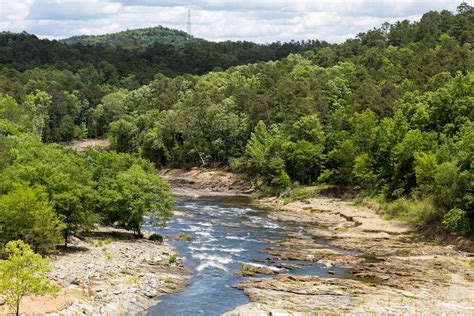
{"x":49,"y":192}
{"x":133,"y":38}
{"x":388,"y":115}
{"x":130,"y":67}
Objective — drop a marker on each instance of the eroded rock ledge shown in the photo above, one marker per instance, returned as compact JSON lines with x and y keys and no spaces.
{"x":205,"y":182}
{"x":389,"y":269}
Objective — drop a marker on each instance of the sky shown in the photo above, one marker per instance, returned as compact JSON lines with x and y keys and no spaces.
{"x":258,"y":20}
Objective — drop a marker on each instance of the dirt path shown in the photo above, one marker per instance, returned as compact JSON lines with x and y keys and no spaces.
{"x":391,"y":270}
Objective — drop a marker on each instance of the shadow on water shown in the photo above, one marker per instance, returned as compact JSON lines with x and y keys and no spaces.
{"x":217,"y":252}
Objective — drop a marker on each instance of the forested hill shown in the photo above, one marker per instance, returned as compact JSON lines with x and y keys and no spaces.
{"x":388,"y":114}
{"x":136,"y":37}
{"x":138,"y":63}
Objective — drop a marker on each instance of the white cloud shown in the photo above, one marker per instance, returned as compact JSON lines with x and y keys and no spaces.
{"x":260,"y":21}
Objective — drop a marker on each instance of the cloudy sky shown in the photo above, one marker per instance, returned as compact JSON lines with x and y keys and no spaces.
{"x":256,"y":20}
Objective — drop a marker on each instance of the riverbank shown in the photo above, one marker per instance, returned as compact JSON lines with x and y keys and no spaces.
{"x":197,"y":182}
{"x":390,"y":268}
{"x":109,"y":272}
{"x":373,"y":265}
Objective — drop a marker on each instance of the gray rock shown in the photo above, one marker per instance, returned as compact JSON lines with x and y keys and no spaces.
{"x":75,"y":281}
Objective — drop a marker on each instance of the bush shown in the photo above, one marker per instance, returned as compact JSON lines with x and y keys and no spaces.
{"x":302,"y":193}
{"x":418,"y":211}
{"x":156,"y":237}
{"x":455,"y":221}
{"x":184,"y":237}
{"x":172,"y":259}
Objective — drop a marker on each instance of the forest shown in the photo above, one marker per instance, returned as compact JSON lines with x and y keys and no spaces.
{"x":387,"y":115}
{"x":134,"y":38}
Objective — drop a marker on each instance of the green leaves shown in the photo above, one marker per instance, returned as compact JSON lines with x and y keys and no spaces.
{"x":27,"y":214}
{"x":51,"y":192}
{"x":132,"y":194}
{"x":24,"y":273}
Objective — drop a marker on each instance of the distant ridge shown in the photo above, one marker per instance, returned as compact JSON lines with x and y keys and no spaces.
{"x":136,"y":37}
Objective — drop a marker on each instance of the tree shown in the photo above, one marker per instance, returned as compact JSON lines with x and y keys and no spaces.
{"x":134,"y":193}
{"x":65,"y":180}
{"x":26,"y":214}
{"x":123,"y":136}
{"x":38,"y":106}
{"x":24,"y":273}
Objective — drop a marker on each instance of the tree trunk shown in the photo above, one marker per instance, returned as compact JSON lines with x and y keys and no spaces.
{"x":139,"y":232}
{"x":17,"y":313}
{"x":66,"y":237}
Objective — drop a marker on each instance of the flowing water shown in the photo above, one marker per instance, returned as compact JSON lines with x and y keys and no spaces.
{"x":226,"y":233}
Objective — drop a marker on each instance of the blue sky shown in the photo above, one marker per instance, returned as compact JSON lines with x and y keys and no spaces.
{"x":258,"y":21}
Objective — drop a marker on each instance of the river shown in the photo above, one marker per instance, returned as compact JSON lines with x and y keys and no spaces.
{"x":226,"y":232}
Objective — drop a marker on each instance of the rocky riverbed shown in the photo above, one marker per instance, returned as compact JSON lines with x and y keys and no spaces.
{"x":391,"y":269}
{"x":197,"y":182}
{"x":110,"y":272}
{"x":378,"y":266}
{"x":369,"y":264}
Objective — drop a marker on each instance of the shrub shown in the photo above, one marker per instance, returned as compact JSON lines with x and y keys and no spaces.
{"x":172,"y":259}
{"x":418,"y":211}
{"x":156,"y":237}
{"x":302,"y":193}
{"x":184,"y":237}
{"x":455,"y":221}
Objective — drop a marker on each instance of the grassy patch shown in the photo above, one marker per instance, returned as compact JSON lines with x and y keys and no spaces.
{"x":247,"y":269}
{"x":184,"y":237}
{"x":109,"y":240}
{"x":169,"y":280}
{"x":302,"y":193}
{"x":172,"y":259}
{"x":133,"y":279}
{"x":411,"y":210}
{"x":471,"y":263}
{"x":107,"y":254}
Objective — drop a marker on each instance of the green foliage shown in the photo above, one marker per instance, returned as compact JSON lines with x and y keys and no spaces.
{"x":132,"y":194}
{"x":48,"y":190}
{"x":27,"y":214}
{"x":156,"y":237}
{"x":412,"y":210}
{"x":172,"y":259}
{"x":455,"y":221}
{"x":136,"y":56}
{"x":132,"y":38}
{"x":184,"y":237}
{"x":387,"y":113}
{"x":65,"y":178}
{"x":123,"y":136}
{"x":24,"y":273}
{"x":262,"y":159}
{"x":303,"y":193}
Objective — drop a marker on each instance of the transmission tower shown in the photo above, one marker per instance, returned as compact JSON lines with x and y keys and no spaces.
{"x":188,"y":24}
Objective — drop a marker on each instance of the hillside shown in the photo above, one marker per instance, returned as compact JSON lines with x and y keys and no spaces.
{"x":353,"y":165}
{"x":23,"y":51}
{"x":387,"y":115}
{"x":133,"y":38}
